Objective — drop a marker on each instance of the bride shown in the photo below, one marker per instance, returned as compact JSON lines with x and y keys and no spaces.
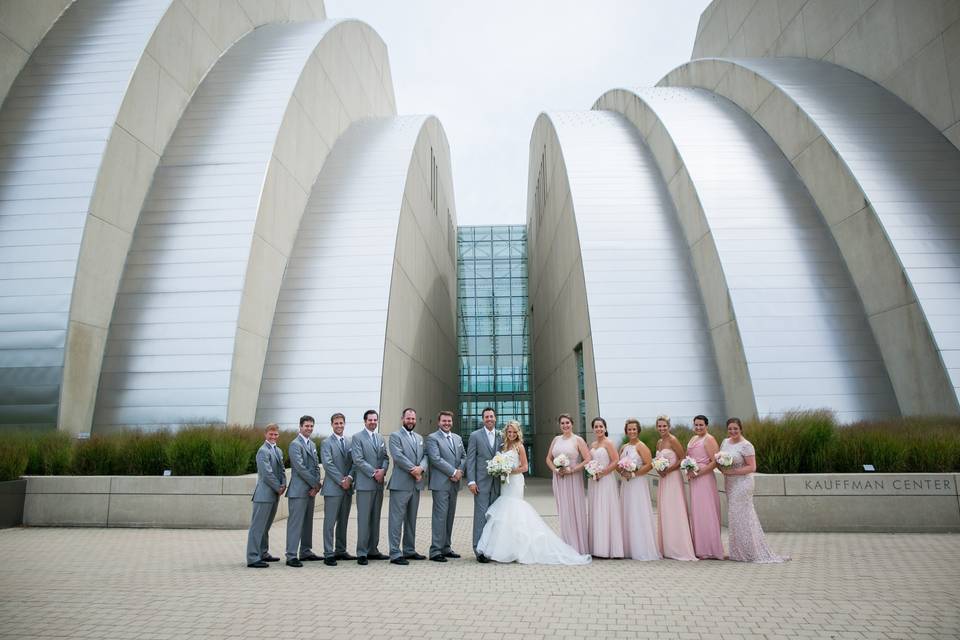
{"x":514,"y":531}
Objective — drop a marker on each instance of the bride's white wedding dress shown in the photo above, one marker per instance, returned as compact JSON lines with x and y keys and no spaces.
{"x":515,"y":532}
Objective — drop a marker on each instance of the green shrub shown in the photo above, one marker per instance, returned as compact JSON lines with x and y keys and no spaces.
{"x":96,"y":456}
{"x":233,"y":451}
{"x":143,"y":454}
{"x":49,"y":453}
{"x":14,"y":457}
{"x":799,"y":442}
{"x":189,"y":452}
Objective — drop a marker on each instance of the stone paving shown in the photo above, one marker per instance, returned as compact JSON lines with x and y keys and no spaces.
{"x":153,"y":584}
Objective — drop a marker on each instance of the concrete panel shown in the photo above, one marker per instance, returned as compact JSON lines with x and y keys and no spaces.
{"x":167,"y":485}
{"x":179,"y":511}
{"x":885,"y":514}
{"x":66,"y":510}
{"x":923,"y":82}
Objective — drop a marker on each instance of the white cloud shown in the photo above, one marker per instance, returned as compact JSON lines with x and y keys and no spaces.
{"x":487,"y":70}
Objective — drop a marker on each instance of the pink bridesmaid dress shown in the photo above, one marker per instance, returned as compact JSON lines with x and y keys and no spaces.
{"x":571,"y":500}
{"x":639,"y":530}
{"x":704,"y":507}
{"x":672,"y":525}
{"x":605,"y":528}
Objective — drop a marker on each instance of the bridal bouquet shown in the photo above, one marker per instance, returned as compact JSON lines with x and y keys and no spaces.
{"x":723,"y":459}
{"x":593,"y":469}
{"x":660,"y":463}
{"x":627,"y":466}
{"x":500,"y":466}
{"x":561,"y":461}
{"x":689,"y":464}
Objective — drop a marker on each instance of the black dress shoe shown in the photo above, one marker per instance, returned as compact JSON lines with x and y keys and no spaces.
{"x":451,"y":554}
{"x":438,"y":558}
{"x":398,"y":561}
{"x":377,"y":556}
{"x":293,"y":562}
{"x":270,"y":558}
{"x":482,"y":558}
{"x":330,"y":562}
{"x":362,"y":560}
{"x":415,"y":556}
{"x":345,"y":556}
{"x":310,"y":558}
{"x":259,"y":564}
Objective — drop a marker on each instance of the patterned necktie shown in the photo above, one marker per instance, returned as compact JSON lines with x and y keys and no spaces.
{"x":450,"y":443}
{"x":343,"y":451}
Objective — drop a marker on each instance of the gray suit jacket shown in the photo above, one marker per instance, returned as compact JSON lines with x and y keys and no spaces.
{"x":336,"y":465}
{"x":444,"y":461}
{"x":478,"y":453}
{"x":367,"y":458}
{"x":270,"y":475}
{"x":304,"y":468}
{"x":406,"y":455}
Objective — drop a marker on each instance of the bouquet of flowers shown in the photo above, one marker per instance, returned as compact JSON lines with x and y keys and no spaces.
{"x":561,"y":461}
{"x":660,"y":463}
{"x":500,"y":466}
{"x":723,"y":459}
{"x":627,"y":466}
{"x":689,"y":464}
{"x":593,"y":469}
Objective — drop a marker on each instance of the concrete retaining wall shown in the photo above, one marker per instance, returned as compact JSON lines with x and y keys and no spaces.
{"x":859,"y":502}
{"x":187,"y":502}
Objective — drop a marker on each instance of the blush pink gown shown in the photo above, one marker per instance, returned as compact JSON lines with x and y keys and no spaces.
{"x":704,"y":507}
{"x":571,"y":500}
{"x":605,"y":525}
{"x":639,"y":528}
{"x":673,"y":527}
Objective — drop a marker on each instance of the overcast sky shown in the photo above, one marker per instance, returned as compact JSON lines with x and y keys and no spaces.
{"x":488,"y":69}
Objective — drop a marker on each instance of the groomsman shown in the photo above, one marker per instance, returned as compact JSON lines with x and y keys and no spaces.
{"x":447,"y":461}
{"x":409,"y":465}
{"x":301,"y":495}
{"x":483,"y":445}
{"x":337,"y":459}
{"x":271,"y":483}
{"x":370,"y":462}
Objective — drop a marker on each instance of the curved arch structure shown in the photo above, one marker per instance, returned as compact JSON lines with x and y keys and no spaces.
{"x":189,"y":333}
{"x":84,"y":125}
{"x":788,"y":327}
{"x":610,"y":270}
{"x":367,"y":298}
{"x":886,"y":182}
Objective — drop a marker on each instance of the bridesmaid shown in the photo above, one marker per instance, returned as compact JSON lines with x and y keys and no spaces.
{"x":672,"y":524}
{"x":568,"y":484}
{"x":639,"y":530}
{"x":605,"y":526}
{"x":704,"y":497}
{"x":747,"y":542}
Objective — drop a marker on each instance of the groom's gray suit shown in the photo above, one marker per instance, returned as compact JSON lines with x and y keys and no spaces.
{"x":479,"y":452}
{"x":446,"y":457}
{"x":407,"y":451}
{"x":338,"y":464}
{"x":369,"y":454}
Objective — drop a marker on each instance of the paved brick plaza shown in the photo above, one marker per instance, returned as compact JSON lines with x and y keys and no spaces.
{"x":143,"y":583}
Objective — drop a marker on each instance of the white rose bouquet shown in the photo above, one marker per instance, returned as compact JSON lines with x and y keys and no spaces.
{"x":561,"y":461}
{"x":660,"y":463}
{"x":723,"y":459}
{"x":593,"y":469}
{"x":689,"y":464}
{"x":500,"y":466}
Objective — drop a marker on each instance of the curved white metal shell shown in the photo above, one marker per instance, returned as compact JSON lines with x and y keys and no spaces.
{"x":887,"y":182}
{"x":371,"y":250}
{"x":189,"y":332}
{"x":777,"y":293}
{"x":647,"y":346}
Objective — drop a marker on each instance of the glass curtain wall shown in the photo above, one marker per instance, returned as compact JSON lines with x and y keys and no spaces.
{"x":492,"y":327}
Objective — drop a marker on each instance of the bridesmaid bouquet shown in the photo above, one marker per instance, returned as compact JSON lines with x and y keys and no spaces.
{"x":660,"y":463}
{"x":627,"y":465}
{"x":723,"y":459}
{"x":689,"y":464}
{"x":500,"y":466}
{"x":561,"y":461}
{"x":593,"y":469}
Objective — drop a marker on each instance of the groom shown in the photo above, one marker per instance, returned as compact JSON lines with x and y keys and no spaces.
{"x":483,"y":445}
